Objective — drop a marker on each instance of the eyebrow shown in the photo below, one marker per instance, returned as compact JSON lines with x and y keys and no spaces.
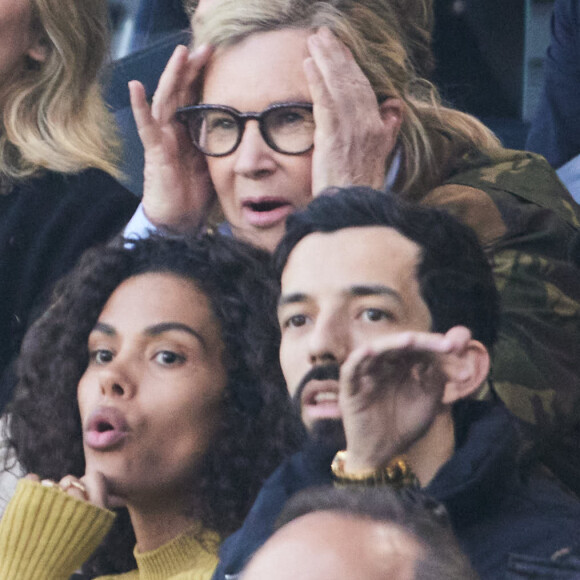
{"x":155,"y":330}
{"x":292,"y":298}
{"x":356,"y":291}
{"x":374,"y":290}
{"x":104,"y":328}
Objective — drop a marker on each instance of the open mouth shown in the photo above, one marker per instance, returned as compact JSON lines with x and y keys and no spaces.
{"x":266,"y":205}
{"x":324,"y":397}
{"x":103,"y":426}
{"x":266,"y":211}
{"x":106,"y":428}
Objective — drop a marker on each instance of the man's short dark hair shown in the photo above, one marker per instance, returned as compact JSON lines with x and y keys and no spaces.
{"x":454,"y":276}
{"x":423,"y":518}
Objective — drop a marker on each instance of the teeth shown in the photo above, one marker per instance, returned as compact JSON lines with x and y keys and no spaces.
{"x":326,"y":397}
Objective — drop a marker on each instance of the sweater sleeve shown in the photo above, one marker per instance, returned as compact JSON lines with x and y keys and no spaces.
{"x":46,"y":534}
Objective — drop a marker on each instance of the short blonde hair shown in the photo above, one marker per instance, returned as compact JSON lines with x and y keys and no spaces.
{"x":53,"y":113}
{"x":391,"y":42}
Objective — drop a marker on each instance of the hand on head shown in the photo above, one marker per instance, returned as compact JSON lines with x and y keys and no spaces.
{"x":178,"y":192}
{"x":353,"y":139}
{"x":354,"y":134}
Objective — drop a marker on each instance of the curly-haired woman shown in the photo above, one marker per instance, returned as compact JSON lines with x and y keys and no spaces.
{"x":58,"y":153}
{"x":150,"y":386}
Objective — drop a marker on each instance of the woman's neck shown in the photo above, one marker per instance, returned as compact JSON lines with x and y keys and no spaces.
{"x":155,"y":526}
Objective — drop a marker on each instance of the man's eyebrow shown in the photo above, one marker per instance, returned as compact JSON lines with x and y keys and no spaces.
{"x":157,"y":329}
{"x":291,"y":298}
{"x":374,"y":290}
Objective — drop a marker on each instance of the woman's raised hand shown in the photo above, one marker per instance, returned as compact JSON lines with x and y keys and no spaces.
{"x":92,"y":487}
{"x":177,"y":192}
{"x":354,"y":134}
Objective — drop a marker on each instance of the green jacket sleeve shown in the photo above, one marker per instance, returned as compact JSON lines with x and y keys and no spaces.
{"x":526,"y":221}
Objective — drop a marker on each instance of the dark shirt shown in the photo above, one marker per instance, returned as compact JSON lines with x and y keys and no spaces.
{"x":555,"y":131}
{"x":498,"y":507}
{"x":45,"y":225}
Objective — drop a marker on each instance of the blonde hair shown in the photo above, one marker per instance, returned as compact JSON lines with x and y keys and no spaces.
{"x":391,"y":42}
{"x":53,"y":113}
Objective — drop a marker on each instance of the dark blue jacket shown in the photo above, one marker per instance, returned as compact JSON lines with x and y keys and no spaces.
{"x":498,"y":510}
{"x":555,"y":131}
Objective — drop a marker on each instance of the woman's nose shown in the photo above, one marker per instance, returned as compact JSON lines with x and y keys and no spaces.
{"x":254,"y":157}
{"x":116,"y":381}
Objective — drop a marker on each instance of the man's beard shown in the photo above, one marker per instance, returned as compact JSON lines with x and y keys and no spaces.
{"x":326,"y":436}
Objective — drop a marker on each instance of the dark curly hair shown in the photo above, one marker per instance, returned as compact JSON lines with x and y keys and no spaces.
{"x":257,"y":428}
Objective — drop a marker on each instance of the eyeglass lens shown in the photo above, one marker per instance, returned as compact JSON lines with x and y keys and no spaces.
{"x":287,"y":129}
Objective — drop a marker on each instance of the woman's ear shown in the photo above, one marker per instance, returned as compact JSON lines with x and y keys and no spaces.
{"x":392,"y":112}
{"x":38,"y":50}
{"x":466,"y":372}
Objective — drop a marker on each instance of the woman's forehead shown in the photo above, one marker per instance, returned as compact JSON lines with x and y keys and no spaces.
{"x":264,"y":68}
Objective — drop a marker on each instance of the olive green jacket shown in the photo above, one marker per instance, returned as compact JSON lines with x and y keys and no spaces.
{"x":526,"y":221}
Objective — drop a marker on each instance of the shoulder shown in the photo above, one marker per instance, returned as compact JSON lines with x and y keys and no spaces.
{"x":89,"y":187}
{"x":524,"y":175}
{"x":506,"y":194}
{"x":96,"y":185}
{"x":294,"y":474}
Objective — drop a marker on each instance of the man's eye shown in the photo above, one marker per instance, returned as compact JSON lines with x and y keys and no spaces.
{"x":168,"y":357}
{"x":101,"y":356}
{"x":376,"y":315}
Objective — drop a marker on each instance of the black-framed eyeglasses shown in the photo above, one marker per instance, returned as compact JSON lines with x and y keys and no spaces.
{"x":217,"y":130}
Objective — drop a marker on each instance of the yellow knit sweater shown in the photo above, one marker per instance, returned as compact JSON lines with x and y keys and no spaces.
{"x":46,"y":534}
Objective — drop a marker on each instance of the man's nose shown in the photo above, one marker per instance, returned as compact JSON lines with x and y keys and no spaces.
{"x":330,"y":340}
{"x":254,"y":157}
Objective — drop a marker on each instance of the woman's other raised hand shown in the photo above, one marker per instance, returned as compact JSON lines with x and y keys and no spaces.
{"x":354,"y":134}
{"x":178,"y":192}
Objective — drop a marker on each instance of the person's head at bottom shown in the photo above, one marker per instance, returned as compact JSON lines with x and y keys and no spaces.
{"x":363,"y":533}
{"x":146,"y":381}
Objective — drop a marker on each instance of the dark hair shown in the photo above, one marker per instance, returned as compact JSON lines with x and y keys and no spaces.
{"x":413,"y":511}
{"x":256,"y":430}
{"x":455,"y":278}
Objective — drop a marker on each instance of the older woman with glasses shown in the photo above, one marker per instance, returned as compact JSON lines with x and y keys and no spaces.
{"x":375,"y":121}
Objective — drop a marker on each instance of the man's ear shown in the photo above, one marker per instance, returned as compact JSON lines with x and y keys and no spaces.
{"x":38,"y":50}
{"x":392,"y":112}
{"x":466,"y":372}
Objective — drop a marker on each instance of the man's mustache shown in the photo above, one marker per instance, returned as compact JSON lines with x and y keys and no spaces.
{"x":330,"y":371}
